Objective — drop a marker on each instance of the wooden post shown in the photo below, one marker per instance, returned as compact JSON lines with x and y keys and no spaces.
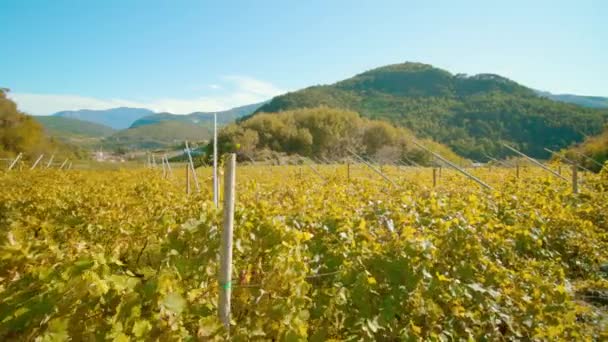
{"x":50,"y":161}
{"x":373,"y":168}
{"x":225,"y":277}
{"x":516,"y":169}
{"x":37,"y":161}
{"x":198,"y":189}
{"x":434,"y":177}
{"x":169,"y":169}
{"x":188,"y":179}
{"x":574,"y":178}
{"x":313,"y":169}
{"x":559,"y":170}
{"x":10,"y":167}
{"x":455,"y":167}
{"x":348,"y":171}
{"x":568,"y":161}
{"x":63,"y":164}
{"x":216,"y":183}
{"x":534,"y":161}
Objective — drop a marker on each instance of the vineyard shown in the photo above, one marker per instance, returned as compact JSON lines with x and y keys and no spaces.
{"x":319,"y":254}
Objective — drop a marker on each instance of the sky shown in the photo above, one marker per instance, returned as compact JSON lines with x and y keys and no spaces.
{"x":186,"y":56}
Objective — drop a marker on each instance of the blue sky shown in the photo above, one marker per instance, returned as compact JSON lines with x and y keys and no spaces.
{"x":183,"y":56}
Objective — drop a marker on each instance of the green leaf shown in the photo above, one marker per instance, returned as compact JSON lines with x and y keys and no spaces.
{"x":174,"y":302}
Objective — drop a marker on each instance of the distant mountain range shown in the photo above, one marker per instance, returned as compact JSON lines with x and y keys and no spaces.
{"x":585,"y":101}
{"x":200,"y":118}
{"x":473,"y":115}
{"x":117,"y":118}
{"x":136,"y":127}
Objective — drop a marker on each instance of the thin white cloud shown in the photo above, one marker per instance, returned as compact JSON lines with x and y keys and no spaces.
{"x":253,"y":86}
{"x":239,"y":91}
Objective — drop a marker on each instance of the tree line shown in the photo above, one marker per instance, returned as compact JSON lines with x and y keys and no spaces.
{"x":327,"y":133}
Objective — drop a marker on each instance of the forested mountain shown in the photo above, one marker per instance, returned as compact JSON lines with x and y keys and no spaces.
{"x":471,"y":114}
{"x":117,"y":118}
{"x":585,"y":101}
{"x":62,"y":127}
{"x":21,"y":133}
{"x":201,"y":118}
{"x":81,"y":133}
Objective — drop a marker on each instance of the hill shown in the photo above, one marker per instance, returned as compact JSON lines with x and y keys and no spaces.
{"x":117,"y":118}
{"x":159,"y":135}
{"x":585,"y":101}
{"x":473,"y":115}
{"x":21,"y":133}
{"x":200,"y":118}
{"x":72,"y":129}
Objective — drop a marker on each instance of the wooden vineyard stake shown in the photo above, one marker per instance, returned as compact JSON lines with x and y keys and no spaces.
{"x":50,"y":161}
{"x":411,"y":162}
{"x":534,"y":161}
{"x":455,"y":167}
{"x":169,"y":169}
{"x":216,"y":183}
{"x":348,"y":171}
{"x":434,"y":177}
{"x":225,"y":277}
{"x":569,"y":161}
{"x":516,"y":169}
{"x":36,"y":162}
{"x":590,"y":159}
{"x":315,"y":171}
{"x":574,"y":179}
{"x":188,"y":179}
{"x":198,"y":189}
{"x":63,"y":164}
{"x":10,"y":167}
{"x":373,"y":168}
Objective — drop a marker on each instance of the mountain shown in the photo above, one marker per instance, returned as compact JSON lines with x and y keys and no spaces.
{"x":585,"y":101}
{"x":158,"y":135}
{"x":201,"y":118}
{"x":473,"y":115}
{"x":73,"y":131}
{"x":117,"y":118}
{"x":60,"y":127}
